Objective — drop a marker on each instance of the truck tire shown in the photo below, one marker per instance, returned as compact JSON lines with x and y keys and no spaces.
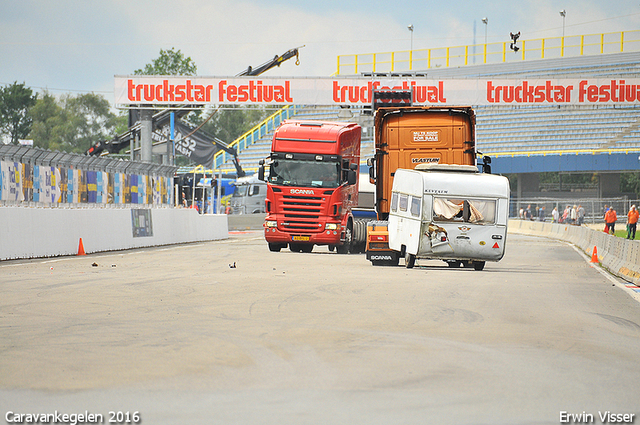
{"x":410,"y":261}
{"x":454,"y":264}
{"x":359,"y":236}
{"x":306,"y":247}
{"x":295,"y":247}
{"x":478,"y":265}
{"x":275,"y":247}
{"x":348,"y":240}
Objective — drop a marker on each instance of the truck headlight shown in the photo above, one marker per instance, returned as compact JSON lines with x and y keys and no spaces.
{"x":331,"y":226}
{"x":271,"y":223}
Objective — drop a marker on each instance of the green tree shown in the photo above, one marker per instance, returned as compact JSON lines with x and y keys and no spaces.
{"x":630,"y":183}
{"x":170,"y":62}
{"x":73,"y":123}
{"x":15,"y":101}
{"x":47,"y":116}
{"x":229,"y":124}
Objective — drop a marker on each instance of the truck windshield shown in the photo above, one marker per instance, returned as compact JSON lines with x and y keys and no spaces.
{"x":305,"y":173}
{"x":240,"y":190}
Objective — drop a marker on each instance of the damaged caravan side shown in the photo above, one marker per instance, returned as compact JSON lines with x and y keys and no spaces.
{"x":449,"y":212}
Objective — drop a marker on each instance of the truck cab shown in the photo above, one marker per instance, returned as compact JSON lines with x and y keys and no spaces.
{"x":449,"y":212}
{"x":249,"y":196}
{"x":312,"y":185}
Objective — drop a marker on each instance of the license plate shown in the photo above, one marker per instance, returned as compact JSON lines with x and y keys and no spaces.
{"x":301,"y":238}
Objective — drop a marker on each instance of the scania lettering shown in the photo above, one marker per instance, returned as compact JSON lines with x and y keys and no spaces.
{"x":405,"y":137}
{"x":312,"y":185}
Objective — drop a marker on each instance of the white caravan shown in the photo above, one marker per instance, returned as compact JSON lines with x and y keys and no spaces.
{"x":449,"y":212}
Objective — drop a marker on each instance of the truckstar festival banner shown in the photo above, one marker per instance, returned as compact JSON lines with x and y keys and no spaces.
{"x":144,"y":90}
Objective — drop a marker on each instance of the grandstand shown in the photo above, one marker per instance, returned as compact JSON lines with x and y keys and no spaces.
{"x":528,"y":139}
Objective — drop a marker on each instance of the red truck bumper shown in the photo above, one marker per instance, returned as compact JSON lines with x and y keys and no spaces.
{"x":327,"y":237}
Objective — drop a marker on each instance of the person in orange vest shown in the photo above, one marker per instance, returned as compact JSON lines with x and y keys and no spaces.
{"x":610,"y":218}
{"x":632,"y":222}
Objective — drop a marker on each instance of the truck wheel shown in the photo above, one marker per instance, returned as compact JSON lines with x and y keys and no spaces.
{"x":410,"y":261}
{"x":306,"y":247}
{"x":294,"y":247}
{"x":359,"y":236}
{"x":454,"y":264}
{"x":275,"y":247}
{"x":348,"y":239}
{"x":478,"y":265}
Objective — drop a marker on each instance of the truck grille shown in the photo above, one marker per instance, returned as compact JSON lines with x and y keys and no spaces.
{"x":302,"y":213}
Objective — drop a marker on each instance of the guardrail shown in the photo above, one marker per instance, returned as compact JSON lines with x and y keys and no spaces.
{"x":620,"y":256}
{"x":489,"y":53}
{"x":42,"y":178}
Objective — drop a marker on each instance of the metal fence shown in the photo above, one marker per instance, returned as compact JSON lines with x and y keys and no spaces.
{"x":554,"y":47}
{"x":42,"y":178}
{"x":542,"y":208}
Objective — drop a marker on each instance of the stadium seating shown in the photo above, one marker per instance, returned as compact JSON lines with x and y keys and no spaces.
{"x":520,"y":130}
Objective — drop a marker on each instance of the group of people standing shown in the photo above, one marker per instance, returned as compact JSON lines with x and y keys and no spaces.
{"x":575,"y":215}
{"x":611,"y":217}
{"x":570,"y":215}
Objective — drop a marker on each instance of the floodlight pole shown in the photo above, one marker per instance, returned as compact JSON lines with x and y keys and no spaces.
{"x":563,"y":13}
{"x":485,"y":21}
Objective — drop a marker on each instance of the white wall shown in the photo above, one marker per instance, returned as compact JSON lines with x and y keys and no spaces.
{"x":48,"y":232}
{"x":620,"y":256}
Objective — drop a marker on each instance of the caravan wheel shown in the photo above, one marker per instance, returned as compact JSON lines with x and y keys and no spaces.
{"x":410,"y":261}
{"x":478,"y":265}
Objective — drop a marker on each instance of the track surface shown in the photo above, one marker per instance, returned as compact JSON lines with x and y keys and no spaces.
{"x":179,"y":336}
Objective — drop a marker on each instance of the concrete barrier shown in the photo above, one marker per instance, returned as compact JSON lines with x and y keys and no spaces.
{"x":620,"y":256}
{"x":50,"y":232}
{"x":246,"y":221}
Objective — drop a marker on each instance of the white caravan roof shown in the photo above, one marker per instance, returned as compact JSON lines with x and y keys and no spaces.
{"x":447,"y":183}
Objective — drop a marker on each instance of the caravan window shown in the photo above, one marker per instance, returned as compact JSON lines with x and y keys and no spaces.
{"x":394,"y":201}
{"x":415,"y":206}
{"x":404,"y":202}
{"x":477,"y":211}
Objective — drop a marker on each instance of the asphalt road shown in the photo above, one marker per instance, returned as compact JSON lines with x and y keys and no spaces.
{"x":180,"y":337}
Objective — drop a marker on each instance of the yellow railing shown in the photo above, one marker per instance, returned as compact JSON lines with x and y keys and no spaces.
{"x":477,"y":54}
{"x":565,"y":152}
{"x":253,"y":135}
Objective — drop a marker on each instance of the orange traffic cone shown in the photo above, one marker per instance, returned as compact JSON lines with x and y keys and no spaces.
{"x":81,"y":248}
{"x":594,"y":256}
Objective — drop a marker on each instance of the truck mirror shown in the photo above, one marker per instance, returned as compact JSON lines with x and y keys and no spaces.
{"x":261,"y":172}
{"x":352,"y":177}
{"x":372,"y":177}
{"x":486,"y":164}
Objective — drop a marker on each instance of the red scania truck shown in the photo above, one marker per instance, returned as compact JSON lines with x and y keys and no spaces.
{"x":312,"y":185}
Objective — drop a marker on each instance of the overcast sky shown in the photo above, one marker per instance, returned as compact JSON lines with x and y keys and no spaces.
{"x":79,"y":45}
